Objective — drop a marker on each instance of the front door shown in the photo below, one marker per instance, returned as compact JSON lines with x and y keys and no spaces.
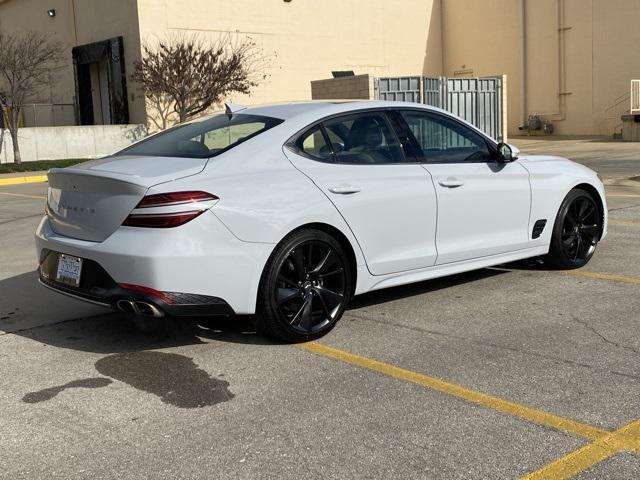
{"x":483,"y":205}
{"x":388,"y":202}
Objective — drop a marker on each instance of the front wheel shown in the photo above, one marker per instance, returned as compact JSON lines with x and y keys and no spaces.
{"x":305,"y":287}
{"x":576,"y":231}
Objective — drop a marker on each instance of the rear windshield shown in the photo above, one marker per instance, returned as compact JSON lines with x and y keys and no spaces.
{"x":203,"y":138}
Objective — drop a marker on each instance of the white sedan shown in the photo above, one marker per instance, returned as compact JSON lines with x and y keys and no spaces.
{"x":290,"y":210}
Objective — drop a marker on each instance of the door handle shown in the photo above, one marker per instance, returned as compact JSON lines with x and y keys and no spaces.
{"x":451,"y":182}
{"x":344,"y":189}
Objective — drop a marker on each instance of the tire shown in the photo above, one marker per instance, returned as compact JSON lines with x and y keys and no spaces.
{"x":305,"y":287}
{"x":576,"y":231}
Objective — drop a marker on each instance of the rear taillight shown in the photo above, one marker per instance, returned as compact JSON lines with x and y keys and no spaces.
{"x":176,"y":208}
{"x":160,"y":220}
{"x":174,"y":198}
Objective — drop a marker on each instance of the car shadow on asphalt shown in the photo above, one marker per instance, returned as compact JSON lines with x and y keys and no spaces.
{"x":533,"y":264}
{"x":31,"y":311}
{"x":420,"y":288}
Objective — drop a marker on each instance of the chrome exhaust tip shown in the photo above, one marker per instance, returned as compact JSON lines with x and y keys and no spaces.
{"x":137,"y":307}
{"x":147,"y":309}
{"x":125,"y":306}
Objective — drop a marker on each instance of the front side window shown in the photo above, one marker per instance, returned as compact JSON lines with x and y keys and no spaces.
{"x":445,"y":140}
{"x":203,"y":138}
{"x":364,"y":138}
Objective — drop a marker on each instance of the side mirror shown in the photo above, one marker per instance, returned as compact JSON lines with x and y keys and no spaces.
{"x":506,"y":153}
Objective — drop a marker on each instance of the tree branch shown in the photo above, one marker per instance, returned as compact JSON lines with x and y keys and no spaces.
{"x":196,"y":75}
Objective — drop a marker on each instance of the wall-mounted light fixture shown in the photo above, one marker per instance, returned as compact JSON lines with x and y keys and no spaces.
{"x":51,"y":12}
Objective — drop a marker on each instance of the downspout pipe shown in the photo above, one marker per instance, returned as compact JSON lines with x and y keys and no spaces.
{"x":523,"y":62}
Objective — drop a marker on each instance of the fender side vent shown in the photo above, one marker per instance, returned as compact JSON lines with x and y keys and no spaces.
{"x":538,"y":228}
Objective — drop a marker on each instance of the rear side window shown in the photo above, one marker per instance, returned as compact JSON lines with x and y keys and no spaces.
{"x":203,"y":138}
{"x":364,"y":138}
{"x":314,"y":144}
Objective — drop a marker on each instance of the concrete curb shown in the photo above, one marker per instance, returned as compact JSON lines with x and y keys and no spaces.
{"x":22,"y":180}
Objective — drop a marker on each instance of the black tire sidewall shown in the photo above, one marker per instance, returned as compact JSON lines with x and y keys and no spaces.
{"x":270,"y":320}
{"x":557,"y":255}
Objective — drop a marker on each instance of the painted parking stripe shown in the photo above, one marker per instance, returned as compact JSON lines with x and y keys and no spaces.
{"x":625,"y":439}
{"x":582,"y":273}
{"x":473,"y":396}
{"x":39,"y":197}
{"x":604,"y":276}
{"x":604,"y":445}
{"x":22,"y":180}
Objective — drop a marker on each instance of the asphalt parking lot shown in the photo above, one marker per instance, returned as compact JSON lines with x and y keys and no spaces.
{"x":499,"y":373}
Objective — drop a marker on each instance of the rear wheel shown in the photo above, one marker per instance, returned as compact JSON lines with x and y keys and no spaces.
{"x":576,"y":231}
{"x":305,"y":287}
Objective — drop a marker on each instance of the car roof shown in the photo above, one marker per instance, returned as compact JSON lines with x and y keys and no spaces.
{"x":290,"y":110}
{"x":299,"y":115}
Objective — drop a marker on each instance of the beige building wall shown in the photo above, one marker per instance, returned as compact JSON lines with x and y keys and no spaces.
{"x":21,"y":15}
{"x":307,"y":39}
{"x":97,"y":20}
{"x":616,"y":59}
{"x":581,"y":56}
{"x":304,"y":40}
{"x":482,"y":39}
{"x":78,"y":22}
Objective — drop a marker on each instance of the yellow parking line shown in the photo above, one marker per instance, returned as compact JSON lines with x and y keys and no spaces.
{"x":603,"y":276}
{"x":628,"y":223}
{"x":495,"y":403}
{"x":622,"y":195}
{"x":626,"y":438}
{"x":39,"y":197}
{"x":22,"y":180}
{"x":604,"y":445}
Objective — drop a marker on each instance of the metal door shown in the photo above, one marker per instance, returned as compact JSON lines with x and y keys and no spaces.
{"x":399,"y":89}
{"x":478,"y":101}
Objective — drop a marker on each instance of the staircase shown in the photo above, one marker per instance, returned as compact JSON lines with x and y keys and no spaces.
{"x":614,"y":111}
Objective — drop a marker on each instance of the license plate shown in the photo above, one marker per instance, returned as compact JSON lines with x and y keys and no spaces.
{"x":69,"y":269}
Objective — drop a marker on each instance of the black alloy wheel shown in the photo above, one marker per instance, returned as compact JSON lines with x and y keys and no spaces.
{"x":306,"y":287}
{"x":577,"y":230}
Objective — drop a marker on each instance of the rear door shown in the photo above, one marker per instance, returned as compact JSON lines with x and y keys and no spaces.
{"x":387,"y":199}
{"x":483,"y":205}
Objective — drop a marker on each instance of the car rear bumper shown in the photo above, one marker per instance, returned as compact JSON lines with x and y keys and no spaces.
{"x":200,"y":266}
{"x":99,"y":288}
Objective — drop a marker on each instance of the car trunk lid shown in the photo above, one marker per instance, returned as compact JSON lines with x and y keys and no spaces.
{"x":90,"y":201}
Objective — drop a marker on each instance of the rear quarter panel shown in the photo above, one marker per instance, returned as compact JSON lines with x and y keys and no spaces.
{"x":263,"y":197}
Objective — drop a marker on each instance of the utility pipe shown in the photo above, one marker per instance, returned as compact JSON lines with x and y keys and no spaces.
{"x":559,"y":115}
{"x":523,"y":62}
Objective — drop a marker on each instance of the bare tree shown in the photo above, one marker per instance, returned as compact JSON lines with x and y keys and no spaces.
{"x":28,"y":62}
{"x":163,"y":107}
{"x":2,"y":102}
{"x":190,"y":74}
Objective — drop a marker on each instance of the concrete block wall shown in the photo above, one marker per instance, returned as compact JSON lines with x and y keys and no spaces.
{"x":357,"y":87}
{"x":55,"y":143}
